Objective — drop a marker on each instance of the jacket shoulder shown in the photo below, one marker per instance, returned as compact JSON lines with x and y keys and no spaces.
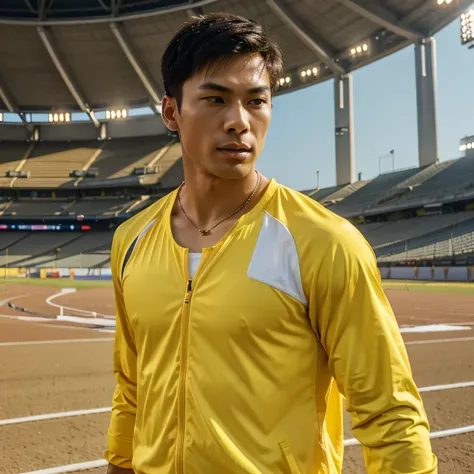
{"x":128,"y":231}
{"x":310,"y":221}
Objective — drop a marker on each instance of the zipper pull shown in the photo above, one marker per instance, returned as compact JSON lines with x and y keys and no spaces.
{"x":189,"y":291}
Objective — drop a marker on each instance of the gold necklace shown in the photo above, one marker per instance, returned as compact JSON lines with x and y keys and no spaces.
{"x":206,"y":231}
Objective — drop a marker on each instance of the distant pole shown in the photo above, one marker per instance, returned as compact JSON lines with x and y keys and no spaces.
{"x":6,"y":265}
{"x":317,"y":172}
{"x":393,"y":159}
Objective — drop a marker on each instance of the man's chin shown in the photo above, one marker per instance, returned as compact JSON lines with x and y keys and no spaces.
{"x":234,"y":171}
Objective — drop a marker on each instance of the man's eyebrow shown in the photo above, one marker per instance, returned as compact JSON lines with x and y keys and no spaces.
{"x":217,"y":87}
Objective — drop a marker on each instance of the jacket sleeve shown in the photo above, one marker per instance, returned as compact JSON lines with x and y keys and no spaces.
{"x":124,"y":405}
{"x":368,"y":359}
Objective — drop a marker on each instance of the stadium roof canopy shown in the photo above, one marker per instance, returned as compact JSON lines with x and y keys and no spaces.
{"x":95,"y":54}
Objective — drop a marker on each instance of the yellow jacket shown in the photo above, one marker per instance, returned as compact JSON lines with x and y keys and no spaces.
{"x":241,"y":369}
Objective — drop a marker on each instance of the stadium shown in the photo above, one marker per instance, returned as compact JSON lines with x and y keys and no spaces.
{"x":83,"y":148}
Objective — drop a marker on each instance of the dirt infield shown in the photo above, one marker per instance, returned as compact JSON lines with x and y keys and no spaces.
{"x":47,"y":377}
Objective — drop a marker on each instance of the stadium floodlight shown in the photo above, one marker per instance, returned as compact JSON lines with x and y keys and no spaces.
{"x":359,"y":49}
{"x":1,"y":116}
{"x":462,"y":148}
{"x":469,"y":146}
{"x":284,"y":82}
{"x":309,"y":72}
{"x":467,"y":27}
{"x":116,"y":114}
{"x":59,"y":117}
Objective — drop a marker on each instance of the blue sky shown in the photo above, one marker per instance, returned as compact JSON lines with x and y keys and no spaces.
{"x":301,"y":137}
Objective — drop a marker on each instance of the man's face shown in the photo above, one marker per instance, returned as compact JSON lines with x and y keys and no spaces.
{"x":224,"y":116}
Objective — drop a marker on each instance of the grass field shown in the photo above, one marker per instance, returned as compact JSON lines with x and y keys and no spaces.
{"x":425,"y":286}
{"x":431,"y":287}
{"x":60,"y":282}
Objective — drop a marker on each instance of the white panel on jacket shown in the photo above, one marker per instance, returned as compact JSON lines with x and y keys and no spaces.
{"x":275,"y":259}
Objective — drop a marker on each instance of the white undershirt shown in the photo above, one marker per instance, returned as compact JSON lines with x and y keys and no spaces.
{"x":194,"y":259}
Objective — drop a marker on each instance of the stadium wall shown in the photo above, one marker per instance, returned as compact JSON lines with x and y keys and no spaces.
{"x":446,"y":274}
{"x":458,"y":274}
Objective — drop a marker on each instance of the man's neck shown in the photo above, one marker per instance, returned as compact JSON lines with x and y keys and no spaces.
{"x":207,"y":199}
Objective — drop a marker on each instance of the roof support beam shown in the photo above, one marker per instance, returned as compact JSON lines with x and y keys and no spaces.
{"x":124,"y":43}
{"x":194,"y":11}
{"x":12,"y":107}
{"x":321,"y":50}
{"x":383,"y":17}
{"x":45,"y":36}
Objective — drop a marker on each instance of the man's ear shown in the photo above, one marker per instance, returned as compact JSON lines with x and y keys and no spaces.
{"x":169,"y":110}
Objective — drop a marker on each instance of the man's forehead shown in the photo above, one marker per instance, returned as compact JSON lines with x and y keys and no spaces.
{"x":242,"y":71}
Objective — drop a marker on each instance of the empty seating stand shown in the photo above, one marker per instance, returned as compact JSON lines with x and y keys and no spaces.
{"x":119,"y":157}
{"x":50,"y":163}
{"x":369,"y":194}
{"x":455,"y":178}
{"x":381,"y":234}
{"x":11,"y":157}
{"x":445,"y":243}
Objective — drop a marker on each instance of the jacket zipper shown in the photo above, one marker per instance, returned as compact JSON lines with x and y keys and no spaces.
{"x":182,"y":383}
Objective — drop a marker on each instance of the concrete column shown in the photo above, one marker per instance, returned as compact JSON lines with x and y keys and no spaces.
{"x":344,"y":117}
{"x":425,"y":68}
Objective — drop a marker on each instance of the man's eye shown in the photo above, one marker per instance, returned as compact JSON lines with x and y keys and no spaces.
{"x":214,"y":99}
{"x":258,"y":101}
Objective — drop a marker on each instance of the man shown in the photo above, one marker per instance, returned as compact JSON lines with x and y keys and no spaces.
{"x":244,"y":309}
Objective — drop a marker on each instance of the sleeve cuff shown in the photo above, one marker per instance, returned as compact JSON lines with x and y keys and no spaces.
{"x":120,"y":451}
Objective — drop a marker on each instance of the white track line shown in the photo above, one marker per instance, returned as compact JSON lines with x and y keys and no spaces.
{"x":433,"y":435}
{"x":77,"y":310}
{"x":92,"y":411}
{"x":82,"y":466}
{"x":102,"y":339}
{"x":60,"y":341}
{"x":436,"y":341}
{"x":102,"y":462}
{"x":13,"y":298}
{"x":437,"y":388}
{"x":53,"y":416}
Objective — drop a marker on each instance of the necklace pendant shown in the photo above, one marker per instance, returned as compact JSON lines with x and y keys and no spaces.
{"x":203,"y":232}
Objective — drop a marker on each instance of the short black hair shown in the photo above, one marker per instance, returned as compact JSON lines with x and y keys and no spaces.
{"x":206,"y":39}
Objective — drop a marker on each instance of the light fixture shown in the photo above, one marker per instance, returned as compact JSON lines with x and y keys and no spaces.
{"x":469,"y":146}
{"x":462,"y":148}
{"x":59,"y":117}
{"x":444,"y":2}
{"x":467,"y":27}
{"x":309,"y":72}
{"x":284,"y":82}
{"x":1,"y":116}
{"x":359,"y":49}
{"x":116,"y":114}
